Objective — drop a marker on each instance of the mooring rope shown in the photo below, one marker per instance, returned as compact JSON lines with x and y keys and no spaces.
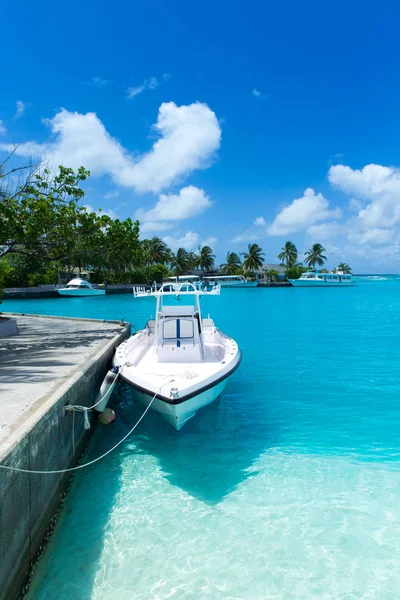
{"x":79,"y":408}
{"x":90,"y":462}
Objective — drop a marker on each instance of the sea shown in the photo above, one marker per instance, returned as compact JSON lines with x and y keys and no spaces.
{"x":286,"y":488}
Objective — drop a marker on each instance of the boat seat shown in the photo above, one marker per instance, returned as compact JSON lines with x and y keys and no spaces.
{"x":180,"y":340}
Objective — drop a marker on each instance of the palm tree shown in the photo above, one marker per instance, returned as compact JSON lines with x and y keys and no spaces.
{"x":315,"y":256}
{"x":232,"y":264}
{"x":344,"y":267}
{"x":288,"y":255}
{"x":180,"y":262}
{"x":206,"y":258}
{"x":253,"y":259}
{"x":155,"y":251}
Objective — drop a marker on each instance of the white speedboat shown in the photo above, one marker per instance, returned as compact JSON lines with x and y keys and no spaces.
{"x":180,"y":362}
{"x":80,"y":287}
{"x":318,"y":279}
{"x":230,"y":281}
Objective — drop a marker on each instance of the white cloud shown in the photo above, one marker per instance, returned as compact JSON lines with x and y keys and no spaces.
{"x":111,"y":195}
{"x":189,"y":137}
{"x":109,"y":212}
{"x":99,"y":82}
{"x":134,"y":91}
{"x":257,"y":94}
{"x":324,"y":231}
{"x":260,"y":221}
{"x":148,"y":84}
{"x":375,"y":236}
{"x":377,"y":186}
{"x":210,"y":241}
{"x":246,"y":236}
{"x":190,"y":202}
{"x":21,"y":107}
{"x":190,"y":241}
{"x":301,"y":213}
{"x":3,"y":130}
{"x":155,"y":226}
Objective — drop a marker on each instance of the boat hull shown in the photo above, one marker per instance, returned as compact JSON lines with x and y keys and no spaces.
{"x":179,"y":414}
{"x":80,"y":293}
{"x":241,"y":285}
{"x":311,"y":283}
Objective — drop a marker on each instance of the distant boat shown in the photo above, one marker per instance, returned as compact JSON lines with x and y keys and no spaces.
{"x":80,"y":287}
{"x":230,"y":281}
{"x":180,"y":361}
{"x":318,"y":279}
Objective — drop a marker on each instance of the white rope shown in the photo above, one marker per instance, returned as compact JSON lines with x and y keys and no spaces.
{"x":92,"y":461}
{"x":79,"y":408}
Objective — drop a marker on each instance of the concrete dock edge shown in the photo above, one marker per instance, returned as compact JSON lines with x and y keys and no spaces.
{"x":43,"y":441}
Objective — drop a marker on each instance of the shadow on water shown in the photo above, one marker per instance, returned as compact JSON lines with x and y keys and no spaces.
{"x":215,"y":450}
{"x":208,"y":459}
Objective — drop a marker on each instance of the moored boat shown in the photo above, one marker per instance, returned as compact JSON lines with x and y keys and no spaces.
{"x":230,"y":281}
{"x":318,"y":279}
{"x":80,"y":287}
{"x":180,"y":361}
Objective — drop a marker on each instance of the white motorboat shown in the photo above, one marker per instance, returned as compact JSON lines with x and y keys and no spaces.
{"x":180,"y":362}
{"x":318,"y":279}
{"x":230,"y":281}
{"x":80,"y":287}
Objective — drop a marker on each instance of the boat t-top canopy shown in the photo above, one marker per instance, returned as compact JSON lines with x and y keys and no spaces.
{"x":185,"y":288}
{"x":224,"y":277}
{"x":182,"y":277}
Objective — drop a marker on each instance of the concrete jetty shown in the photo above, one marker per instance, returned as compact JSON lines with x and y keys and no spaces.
{"x":50,"y":363}
{"x":50,"y":291}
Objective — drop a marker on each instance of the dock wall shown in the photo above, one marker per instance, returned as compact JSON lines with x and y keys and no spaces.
{"x":50,"y":291}
{"x":28,"y":502}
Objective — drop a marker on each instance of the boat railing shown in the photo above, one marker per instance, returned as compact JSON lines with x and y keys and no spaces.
{"x":185,"y":288}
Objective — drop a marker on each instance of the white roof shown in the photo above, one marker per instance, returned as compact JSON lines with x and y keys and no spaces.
{"x":183,"y":277}
{"x":225,"y":277}
{"x":78,"y":282}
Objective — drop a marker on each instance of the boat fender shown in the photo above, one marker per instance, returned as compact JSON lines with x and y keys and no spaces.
{"x":106,"y":389}
{"x":107,"y":416}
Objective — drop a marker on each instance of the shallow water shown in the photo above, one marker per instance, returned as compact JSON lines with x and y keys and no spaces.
{"x":286,"y":488}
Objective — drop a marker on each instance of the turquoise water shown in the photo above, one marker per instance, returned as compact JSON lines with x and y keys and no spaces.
{"x":287,"y":488}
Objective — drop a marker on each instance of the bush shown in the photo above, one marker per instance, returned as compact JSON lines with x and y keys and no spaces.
{"x":295,"y":272}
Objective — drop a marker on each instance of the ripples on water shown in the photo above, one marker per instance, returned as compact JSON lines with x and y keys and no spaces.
{"x":286,"y":488}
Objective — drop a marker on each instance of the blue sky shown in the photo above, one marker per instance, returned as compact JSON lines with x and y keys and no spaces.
{"x":201,"y":118}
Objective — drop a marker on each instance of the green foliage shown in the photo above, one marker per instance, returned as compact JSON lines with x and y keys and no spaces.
{"x":344,"y":267}
{"x":272,"y":274}
{"x":253,"y":258}
{"x":206,"y":258}
{"x":288,"y":255}
{"x":181,"y":262}
{"x":154,"y":251}
{"x":158,"y":272}
{"x":315,"y":256}
{"x":42,"y":217}
{"x":233,"y":264}
{"x":296,"y":271}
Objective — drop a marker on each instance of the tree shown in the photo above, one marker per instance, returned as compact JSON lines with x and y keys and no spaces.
{"x":289,"y":254}
{"x":206,"y":258}
{"x":253,"y":258}
{"x":296,"y":271}
{"x":180,"y":262}
{"x":315,"y":256}
{"x":344,"y":267}
{"x":271,"y":274}
{"x":155,"y":251}
{"x":41,"y":217}
{"x":233,"y":264}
